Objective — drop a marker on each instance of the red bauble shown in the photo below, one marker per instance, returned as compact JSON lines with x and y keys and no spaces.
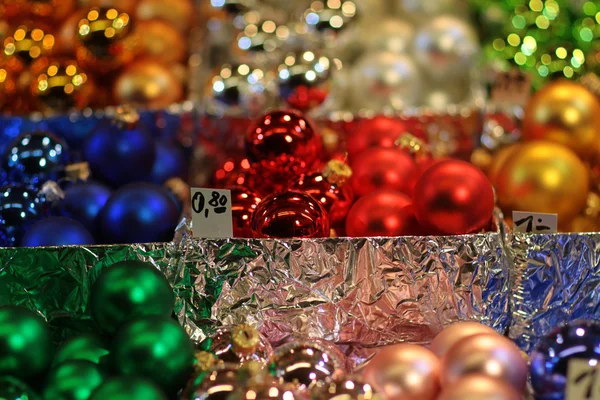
{"x":384,"y":213}
{"x":244,"y":203}
{"x":454,"y":197}
{"x":233,"y":173}
{"x":377,"y":132}
{"x":290,"y":215}
{"x":283,"y":132}
{"x":384,"y":169}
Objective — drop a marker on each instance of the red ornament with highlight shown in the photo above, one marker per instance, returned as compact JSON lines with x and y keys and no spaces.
{"x":384,"y":213}
{"x":244,"y":203}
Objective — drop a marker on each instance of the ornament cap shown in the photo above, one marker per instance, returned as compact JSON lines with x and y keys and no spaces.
{"x":245,"y":339}
{"x":127,"y":115}
{"x":78,"y":171}
{"x":337,"y":172}
{"x":415,"y":146}
{"x":204,"y":361}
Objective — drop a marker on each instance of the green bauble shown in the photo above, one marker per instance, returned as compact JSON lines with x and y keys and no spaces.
{"x":73,"y":380}
{"x":84,"y":347}
{"x":25,"y":343}
{"x":127,"y":388}
{"x":155,"y":348}
{"x":129,"y":289}
{"x":13,"y":389}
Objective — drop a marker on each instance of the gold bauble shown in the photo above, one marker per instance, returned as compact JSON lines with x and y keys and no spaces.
{"x":161,"y":41}
{"x":543,"y":177}
{"x":498,"y":160}
{"x":589,"y":219}
{"x":28,"y":42}
{"x":67,"y":34}
{"x":148,"y":83}
{"x":8,"y":86}
{"x":37,"y":10}
{"x":127,"y":6}
{"x":178,"y":13}
{"x":564,"y":112}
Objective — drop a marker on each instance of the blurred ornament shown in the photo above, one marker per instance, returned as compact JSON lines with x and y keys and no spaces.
{"x":264,"y":387}
{"x":34,"y":158}
{"x":385,"y":81}
{"x":499,"y":130}
{"x":149,"y":84}
{"x":303,"y":363}
{"x":491,"y":355}
{"x":19,"y":209}
{"x":276,"y":174}
{"x":177,"y":13}
{"x":381,"y":213}
{"x":258,"y":34}
{"x":139,"y":213}
{"x":238,"y":344}
{"x":120,"y":150}
{"x":244,"y":203}
{"x":384,"y":169}
{"x":87,"y":347}
{"x":566,"y":113}
{"x":83,"y":202}
{"x":142,"y":290}
{"x":480,"y":387}
{"x":38,"y":10}
{"x":204,"y":361}
{"x":161,"y":41}
{"x":57,"y":231}
{"x":372,"y":34}
{"x":26,"y":343}
{"x":353,"y":387}
{"x":128,"y":388}
{"x":180,"y":192}
{"x":552,"y":356}
{"x":523,"y":182}
{"x":73,"y":380}
{"x":329,"y":16}
{"x":442,"y":95}
{"x":304,"y":79}
{"x":126,"y":6}
{"x":498,"y":161}
{"x":66,"y":36}
{"x":8,"y":85}
{"x":14,"y":389}
{"x":283,"y":132}
{"x":234,"y":7}
{"x":134,"y":351}
{"x":380,"y":131}
{"x":233,"y":173}
{"x":454,"y":197}
{"x":454,"y":333}
{"x":216,"y":384}
{"x":74,"y":127}
{"x":28,"y":42}
{"x":404,"y":372}
{"x":424,"y":10}
{"x":290,"y":215}
{"x":446,"y":47}
{"x":589,"y":219}
{"x":170,"y":162}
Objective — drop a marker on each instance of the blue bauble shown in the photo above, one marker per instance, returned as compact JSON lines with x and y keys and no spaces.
{"x":170,"y":162}
{"x":74,"y":127}
{"x":118,"y":154}
{"x":139,"y":213}
{"x":83,"y":202}
{"x":550,"y":358}
{"x":19,"y":209}
{"x":36,"y":157}
{"x":11,"y":127}
{"x":162,"y":124}
{"x":56,"y":231}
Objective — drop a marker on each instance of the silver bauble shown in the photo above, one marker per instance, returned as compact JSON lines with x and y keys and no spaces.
{"x":259,"y":34}
{"x":330,"y":15}
{"x":446,"y":48}
{"x":439,"y":95}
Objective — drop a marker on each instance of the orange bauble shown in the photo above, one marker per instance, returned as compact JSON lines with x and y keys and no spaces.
{"x":480,"y":387}
{"x":161,"y":41}
{"x":454,"y":333}
{"x":46,"y":10}
{"x":178,"y":13}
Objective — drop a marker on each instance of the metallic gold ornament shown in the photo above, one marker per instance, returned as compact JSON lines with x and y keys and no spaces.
{"x":28,"y":42}
{"x":480,"y":387}
{"x":239,"y":344}
{"x":589,"y":219}
{"x":543,"y":177}
{"x":161,"y":41}
{"x":454,"y":333}
{"x":329,"y":16}
{"x":126,"y":6}
{"x":567,"y":113}
{"x":353,"y":387}
{"x":178,"y":13}
{"x":498,"y":160}
{"x":217,"y":383}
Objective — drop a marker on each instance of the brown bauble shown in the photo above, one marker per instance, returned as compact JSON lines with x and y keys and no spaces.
{"x":178,"y":13}
{"x":161,"y":41}
{"x":480,"y":387}
{"x":454,"y":333}
{"x":149,"y":84}
{"x":127,"y":6}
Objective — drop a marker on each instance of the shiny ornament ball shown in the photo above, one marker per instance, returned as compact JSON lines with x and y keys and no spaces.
{"x":290,"y":214}
{"x":385,"y":81}
{"x":234,"y":7}
{"x":83,"y":202}
{"x":57,"y":231}
{"x":134,"y":351}
{"x":73,"y":380}
{"x":216,"y":384}
{"x":380,"y":131}
{"x":8,"y":85}
{"x":567,"y":113}
{"x":259,"y":35}
{"x":480,"y":387}
{"x":454,"y":197}
{"x":269,"y":389}
{"x":26,"y":346}
{"x":404,"y":372}
{"x":550,"y":359}
{"x":421,"y":10}
{"x":66,"y":36}
{"x":36,"y":157}
{"x":446,"y":47}
{"x":498,"y":160}
{"x":283,"y":132}
{"x":19,"y":209}
{"x":127,"y":6}
{"x":50,"y":11}
{"x":238,"y":344}
{"x":353,"y":387}
{"x":73,"y":127}
{"x":177,"y":13}
{"x":161,"y":41}
{"x":170,"y":162}
{"x":489,"y":354}
{"x":127,"y":388}
{"x":454,"y":333}
{"x":330,"y":16}
{"x":148,"y":83}
{"x":523,"y":182}
{"x":87,"y":347}
{"x":374,"y":34}
{"x":244,"y":203}
{"x":142,"y":290}
{"x":28,"y":43}
{"x":14,"y":389}
{"x":381,"y":213}
{"x":275,"y":175}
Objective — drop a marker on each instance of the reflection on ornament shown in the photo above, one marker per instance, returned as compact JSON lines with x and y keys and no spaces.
{"x":8,"y":85}
{"x":216,"y":384}
{"x":381,"y":213}
{"x":331,"y":15}
{"x":127,"y":6}
{"x":178,"y":13}
{"x":245,"y":86}
{"x":234,"y":7}
{"x":589,"y":219}
{"x":28,"y":43}
{"x":258,"y":34}
{"x":128,"y":388}
{"x":480,"y":387}
{"x":244,"y":203}
{"x":351,"y":387}
{"x":14,"y":389}
{"x":57,"y":231}
{"x":238,"y":344}
{"x":454,"y":333}
{"x":73,"y":379}
{"x":19,"y":209}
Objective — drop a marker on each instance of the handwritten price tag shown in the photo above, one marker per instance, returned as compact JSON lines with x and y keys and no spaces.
{"x":511,"y":88}
{"x":211,"y":213}
{"x":528,"y":222}
{"x":583,"y":380}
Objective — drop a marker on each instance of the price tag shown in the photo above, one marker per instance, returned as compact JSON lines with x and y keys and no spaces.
{"x":511,"y":88}
{"x":528,"y":222}
{"x":583,"y":380}
{"x":211,"y":213}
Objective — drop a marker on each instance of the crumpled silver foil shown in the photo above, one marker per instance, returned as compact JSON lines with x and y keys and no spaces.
{"x":358,"y":293}
{"x":556,"y":280}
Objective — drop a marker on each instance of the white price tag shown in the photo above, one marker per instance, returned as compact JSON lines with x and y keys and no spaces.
{"x":211,"y":213}
{"x":511,"y":88}
{"x":583,"y":381}
{"x":528,"y":222}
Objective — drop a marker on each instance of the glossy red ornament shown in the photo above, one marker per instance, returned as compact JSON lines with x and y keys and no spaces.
{"x":383,"y":213}
{"x":273,"y":176}
{"x":290,"y":214}
{"x":377,"y":132}
{"x":305,"y":98}
{"x":454,"y":197}
{"x":384,"y":169}
{"x":234,"y":172}
{"x":283,"y":132}
{"x":244,"y":203}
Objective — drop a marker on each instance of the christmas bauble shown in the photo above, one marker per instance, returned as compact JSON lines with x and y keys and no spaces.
{"x":380,"y":131}
{"x":258,"y":33}
{"x":178,"y":13}
{"x":454,"y":333}
{"x":275,"y":175}
{"x":421,"y":10}
{"x":290,"y":214}
{"x":50,"y":11}
{"x":66,"y":35}
{"x":57,"y":231}
{"x":404,"y":372}
{"x":564,"y":112}
{"x":127,"y":6}
{"x":479,"y":387}
{"x":8,"y":85}
{"x":233,"y":172}
{"x":454,"y":197}
{"x":235,"y":7}
{"x":28,"y":42}
{"x":135,"y":355}
{"x":142,"y":290}
{"x":215,"y":384}
{"x":83,"y":202}
{"x":180,"y":192}
{"x":498,"y":160}
{"x":330,"y":16}
{"x":351,"y":387}
{"x":283,"y":132}
{"x":374,"y":34}
{"x":489,"y":354}
{"x":86,"y":347}
{"x":238,"y":344}
{"x":523,"y":183}
{"x":553,"y":354}
{"x":14,"y":389}
{"x":161,"y":41}
{"x":128,"y":388}
{"x":244,"y":203}
{"x":381,"y":213}
{"x":25,"y":343}
{"x":74,"y":127}
{"x":19,"y":209}
{"x":170,"y":162}
{"x":73,"y":380}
